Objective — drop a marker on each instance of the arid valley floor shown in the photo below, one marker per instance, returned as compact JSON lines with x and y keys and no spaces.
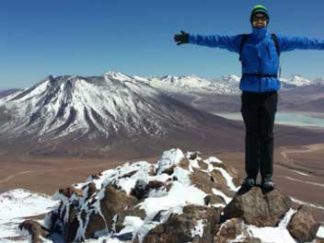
{"x":298,"y":171}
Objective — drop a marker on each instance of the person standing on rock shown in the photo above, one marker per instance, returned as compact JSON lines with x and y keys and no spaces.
{"x":259,"y":54}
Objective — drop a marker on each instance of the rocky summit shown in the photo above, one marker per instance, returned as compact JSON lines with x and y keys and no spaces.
{"x":180,"y":198}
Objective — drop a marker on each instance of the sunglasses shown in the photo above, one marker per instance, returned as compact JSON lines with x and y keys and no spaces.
{"x":257,"y":18}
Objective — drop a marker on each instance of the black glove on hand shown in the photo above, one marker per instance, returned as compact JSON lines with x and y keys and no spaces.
{"x":182,"y":38}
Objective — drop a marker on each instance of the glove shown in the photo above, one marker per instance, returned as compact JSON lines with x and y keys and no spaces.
{"x":182,"y":38}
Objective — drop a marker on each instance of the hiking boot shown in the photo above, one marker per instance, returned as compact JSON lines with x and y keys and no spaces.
{"x":268,"y":184}
{"x":248,"y":182}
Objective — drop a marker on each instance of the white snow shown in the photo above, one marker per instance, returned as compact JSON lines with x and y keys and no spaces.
{"x":189,"y":195}
{"x":220,"y":193}
{"x":192,"y":84}
{"x":213,"y":160}
{"x":228,"y":178}
{"x":169,"y":158}
{"x":307,"y":203}
{"x":285,"y":221}
{"x":199,"y":228}
{"x":132,"y":224}
{"x":320,"y":232}
{"x":271,"y":234}
{"x":23,"y":203}
{"x":17,"y":204}
{"x":305,"y":182}
{"x":296,"y":80}
{"x":300,"y":173}
{"x":274,"y":234}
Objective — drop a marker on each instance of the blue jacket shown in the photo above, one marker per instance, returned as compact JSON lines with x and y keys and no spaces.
{"x":258,"y":56}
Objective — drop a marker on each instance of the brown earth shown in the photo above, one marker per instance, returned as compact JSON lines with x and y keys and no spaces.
{"x":299,"y":169}
{"x":48,"y":175}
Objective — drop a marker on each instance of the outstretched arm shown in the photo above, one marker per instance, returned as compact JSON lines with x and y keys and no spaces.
{"x":231,"y":43}
{"x":302,"y":43}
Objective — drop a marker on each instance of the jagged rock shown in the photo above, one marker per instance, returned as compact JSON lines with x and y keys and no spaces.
{"x":140,"y":190}
{"x":130,"y":174}
{"x":91,"y":189}
{"x":54,"y":220}
{"x":72,"y":224}
{"x":202,"y":181}
{"x":155,"y":184}
{"x":231,"y":229}
{"x":203,"y":165}
{"x":184,"y":164}
{"x":214,"y":199}
{"x":257,"y":207}
{"x":206,"y":183}
{"x":302,"y":226}
{"x":193,"y":155}
{"x":136,"y":212}
{"x":114,"y":202}
{"x":195,"y":224}
{"x":68,"y":191}
{"x":95,"y":176}
{"x":231,"y":171}
{"x":220,"y":182}
{"x":96,"y":223}
{"x":169,"y":170}
{"x":186,"y":198}
{"x":35,"y":229}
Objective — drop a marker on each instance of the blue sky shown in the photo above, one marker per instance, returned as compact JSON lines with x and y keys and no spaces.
{"x":90,"y":37}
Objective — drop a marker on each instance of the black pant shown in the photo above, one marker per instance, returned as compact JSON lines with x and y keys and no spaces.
{"x":258,"y":111}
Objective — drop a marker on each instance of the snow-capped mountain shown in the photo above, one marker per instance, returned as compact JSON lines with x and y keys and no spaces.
{"x":4,"y":93}
{"x":109,"y":104}
{"x":117,"y":106}
{"x":194,"y":84}
{"x":295,"y":81}
{"x":104,"y":109}
{"x":225,"y":85}
{"x":185,"y":81}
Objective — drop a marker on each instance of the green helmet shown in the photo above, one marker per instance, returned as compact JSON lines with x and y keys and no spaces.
{"x":259,"y":9}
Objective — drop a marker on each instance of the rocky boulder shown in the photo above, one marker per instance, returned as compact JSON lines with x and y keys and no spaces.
{"x":181,"y":198}
{"x":258,"y":207}
{"x":234,"y":230}
{"x":195,"y":224}
{"x":35,"y":229}
{"x":114,"y":202}
{"x":302,"y":226}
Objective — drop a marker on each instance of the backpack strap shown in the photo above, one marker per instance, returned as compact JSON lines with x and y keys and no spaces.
{"x":276,"y":42}
{"x":244,"y":38}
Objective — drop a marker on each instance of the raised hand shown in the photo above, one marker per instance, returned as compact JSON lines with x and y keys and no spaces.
{"x":181,"y":38}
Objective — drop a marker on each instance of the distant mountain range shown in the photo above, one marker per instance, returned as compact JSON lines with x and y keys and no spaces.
{"x":82,"y":115}
{"x":73,"y":115}
{"x":224,"y":85}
